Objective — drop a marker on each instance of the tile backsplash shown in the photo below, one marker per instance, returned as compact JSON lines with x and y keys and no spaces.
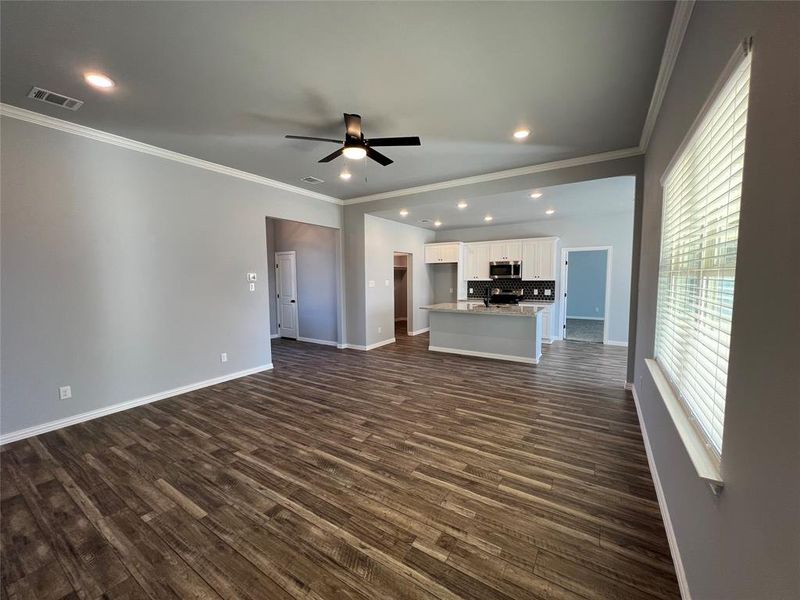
{"x":534,"y":290}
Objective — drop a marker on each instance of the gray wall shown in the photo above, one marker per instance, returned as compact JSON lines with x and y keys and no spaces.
{"x":317,"y":271}
{"x":744,"y":544}
{"x":614,"y":230}
{"x":586,"y":284}
{"x":445,"y":282}
{"x":123,"y":274}
{"x":382,"y":239}
{"x":354,"y":213}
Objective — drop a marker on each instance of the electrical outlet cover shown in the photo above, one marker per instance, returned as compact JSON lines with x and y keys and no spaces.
{"x":64,"y":392}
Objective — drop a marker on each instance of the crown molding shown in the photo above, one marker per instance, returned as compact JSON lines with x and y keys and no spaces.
{"x":677,"y":29}
{"x":550,"y":166}
{"x":21,"y":114}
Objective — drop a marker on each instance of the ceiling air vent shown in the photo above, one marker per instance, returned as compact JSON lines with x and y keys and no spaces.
{"x":43,"y":95}
{"x":425,"y":221}
{"x":312,"y":180}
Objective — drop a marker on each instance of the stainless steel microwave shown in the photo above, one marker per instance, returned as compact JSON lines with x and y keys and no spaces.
{"x":505,"y":269}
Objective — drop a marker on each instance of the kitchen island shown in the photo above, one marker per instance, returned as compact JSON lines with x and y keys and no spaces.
{"x":503,"y":332}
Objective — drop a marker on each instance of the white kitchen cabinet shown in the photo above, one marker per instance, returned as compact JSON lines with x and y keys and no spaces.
{"x":443,"y":253}
{"x":539,"y":259}
{"x":507,"y":250}
{"x":476,"y":262}
{"x":547,"y":325}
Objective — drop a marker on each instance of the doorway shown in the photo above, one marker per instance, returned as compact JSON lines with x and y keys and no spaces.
{"x":402,"y":294}
{"x":286,"y":293}
{"x":586,"y":277}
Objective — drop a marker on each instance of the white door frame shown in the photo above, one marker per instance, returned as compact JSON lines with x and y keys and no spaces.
{"x":278,"y":290}
{"x":565,"y":290}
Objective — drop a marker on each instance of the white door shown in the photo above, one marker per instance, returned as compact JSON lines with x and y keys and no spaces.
{"x":286,"y":284}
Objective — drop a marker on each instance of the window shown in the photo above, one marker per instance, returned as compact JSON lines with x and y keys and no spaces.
{"x":697,"y":271}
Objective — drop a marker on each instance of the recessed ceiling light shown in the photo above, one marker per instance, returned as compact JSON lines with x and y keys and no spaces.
{"x":437,"y":223}
{"x":549,"y":211}
{"x":521,"y":134}
{"x":98,"y":80}
{"x":462,"y":204}
{"x":345,"y":175}
{"x":355,"y":152}
{"x":403,"y":212}
{"x":488,"y":218}
{"x":536,"y":195}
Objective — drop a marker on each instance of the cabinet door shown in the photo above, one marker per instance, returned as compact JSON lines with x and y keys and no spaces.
{"x":432,"y":254}
{"x":547,"y":331}
{"x":514,"y":251}
{"x":449,"y":253}
{"x":530,"y":260}
{"x":477,"y":262}
{"x":498,"y":251}
{"x":547,"y":260}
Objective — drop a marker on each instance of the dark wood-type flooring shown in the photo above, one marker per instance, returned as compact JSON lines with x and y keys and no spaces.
{"x":396,"y":473}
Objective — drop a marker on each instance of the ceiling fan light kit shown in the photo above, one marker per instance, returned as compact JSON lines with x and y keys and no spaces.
{"x":355,"y":146}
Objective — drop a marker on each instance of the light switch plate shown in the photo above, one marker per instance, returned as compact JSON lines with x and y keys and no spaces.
{"x":535,"y":292}
{"x":371,"y":283}
{"x":548,"y":292}
{"x":251,"y":277}
{"x":64,"y":392}
{"x":223,"y":357}
{"x":252,"y":287}
{"x":386,"y":282}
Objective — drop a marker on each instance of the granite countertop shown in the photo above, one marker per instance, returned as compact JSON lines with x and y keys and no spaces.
{"x":478,"y":308}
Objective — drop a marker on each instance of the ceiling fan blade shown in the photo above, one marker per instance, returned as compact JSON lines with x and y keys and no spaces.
{"x":378,"y":157}
{"x":333,"y":155}
{"x":315,"y":139}
{"x":395,"y":141}
{"x":353,"y":124}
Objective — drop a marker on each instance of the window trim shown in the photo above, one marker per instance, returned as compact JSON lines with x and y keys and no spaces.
{"x":705,"y":460}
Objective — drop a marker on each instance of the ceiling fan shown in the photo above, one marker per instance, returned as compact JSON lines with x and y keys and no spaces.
{"x":356,"y":146}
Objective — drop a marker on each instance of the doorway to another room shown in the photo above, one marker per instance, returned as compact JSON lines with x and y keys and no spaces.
{"x":304,"y":281}
{"x":586,"y":278}
{"x":402,"y":293}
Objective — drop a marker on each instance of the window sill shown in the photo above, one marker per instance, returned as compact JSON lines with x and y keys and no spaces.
{"x":704,"y":461}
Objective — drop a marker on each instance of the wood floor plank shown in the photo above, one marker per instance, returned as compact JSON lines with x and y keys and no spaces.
{"x":394,"y":473}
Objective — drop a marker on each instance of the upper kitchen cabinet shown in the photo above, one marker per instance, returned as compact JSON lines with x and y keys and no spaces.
{"x":477,"y":261}
{"x":507,"y":250}
{"x":449,"y":252}
{"x":539,"y":259}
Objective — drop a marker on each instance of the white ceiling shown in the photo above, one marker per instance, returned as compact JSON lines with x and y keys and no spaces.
{"x":224,"y":81}
{"x":584,"y":199}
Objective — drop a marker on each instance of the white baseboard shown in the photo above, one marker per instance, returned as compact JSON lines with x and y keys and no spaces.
{"x":341,"y":346}
{"x":21,"y":434}
{"x":274,"y":335}
{"x":586,"y":318}
{"x":521,"y":359}
{"x":628,"y":385}
{"x":662,"y":504}
{"x":418,"y":331}
{"x":371,"y":346}
{"x":616,"y":343}
{"x":316,"y":341}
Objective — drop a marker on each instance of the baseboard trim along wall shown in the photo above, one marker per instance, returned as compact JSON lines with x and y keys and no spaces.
{"x":274,"y":335}
{"x":21,"y":434}
{"x":371,"y":346}
{"x":418,"y":331}
{"x":520,"y":359}
{"x":586,"y":318}
{"x":616,"y":343}
{"x":662,"y":504}
{"x":316,"y":341}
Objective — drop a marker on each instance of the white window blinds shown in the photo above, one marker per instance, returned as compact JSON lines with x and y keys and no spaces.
{"x":697,"y":272}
